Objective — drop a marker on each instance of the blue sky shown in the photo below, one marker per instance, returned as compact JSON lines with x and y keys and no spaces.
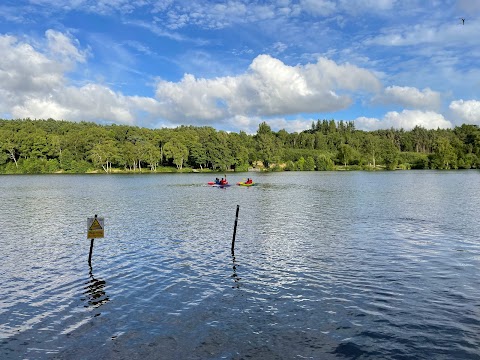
{"x":234,"y":64}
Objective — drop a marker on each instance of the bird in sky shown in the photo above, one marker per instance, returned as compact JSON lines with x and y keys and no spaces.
{"x":463,"y":21}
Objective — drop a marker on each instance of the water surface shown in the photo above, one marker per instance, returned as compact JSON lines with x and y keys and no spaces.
{"x":326,"y":265}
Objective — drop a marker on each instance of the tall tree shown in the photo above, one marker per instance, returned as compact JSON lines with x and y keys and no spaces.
{"x":345,"y":154}
{"x":103,"y":154}
{"x":10,"y":143}
{"x":176,"y":151}
{"x":444,"y":154}
{"x":265,"y":144}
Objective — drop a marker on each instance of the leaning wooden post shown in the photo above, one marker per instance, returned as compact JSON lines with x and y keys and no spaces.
{"x":235,"y":230}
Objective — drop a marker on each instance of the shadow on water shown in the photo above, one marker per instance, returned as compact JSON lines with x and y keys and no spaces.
{"x":236,"y":278}
{"x":350,"y":351}
{"x":95,"y":291}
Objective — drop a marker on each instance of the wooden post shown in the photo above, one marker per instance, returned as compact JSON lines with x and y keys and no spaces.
{"x":91,"y":251}
{"x":235,"y":230}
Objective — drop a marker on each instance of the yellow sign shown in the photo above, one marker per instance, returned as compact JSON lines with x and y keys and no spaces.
{"x":95,"y":228}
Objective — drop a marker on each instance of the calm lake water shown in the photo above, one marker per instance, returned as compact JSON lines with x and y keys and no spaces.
{"x":353,"y":265}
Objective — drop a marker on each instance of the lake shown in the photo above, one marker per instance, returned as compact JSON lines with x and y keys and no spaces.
{"x":327,"y":265}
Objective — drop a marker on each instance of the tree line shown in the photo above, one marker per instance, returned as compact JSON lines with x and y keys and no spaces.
{"x":48,"y":146}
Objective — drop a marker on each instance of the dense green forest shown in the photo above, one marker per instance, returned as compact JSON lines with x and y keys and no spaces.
{"x":50,"y":146}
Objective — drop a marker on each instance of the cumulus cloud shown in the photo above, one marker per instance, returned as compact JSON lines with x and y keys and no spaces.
{"x":90,"y":102}
{"x":406,"y":120}
{"x":25,"y":70}
{"x":250,"y":124}
{"x":42,"y":108}
{"x":33,"y":83}
{"x":295,"y":125}
{"x":268,"y":88}
{"x":410,"y":97}
{"x":467,"y":111}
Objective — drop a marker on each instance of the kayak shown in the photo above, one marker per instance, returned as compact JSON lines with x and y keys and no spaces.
{"x":211,"y":183}
{"x":245,"y":184}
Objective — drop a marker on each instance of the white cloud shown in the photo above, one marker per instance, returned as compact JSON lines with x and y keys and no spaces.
{"x":216,"y":15}
{"x":64,"y":47}
{"x":406,"y":120}
{"x":406,"y":36}
{"x":410,"y":97}
{"x":296,"y":125}
{"x":33,"y":84}
{"x":470,"y":7}
{"x":108,"y":6}
{"x":24,"y":70}
{"x":318,"y":7}
{"x":268,"y":88}
{"x":441,"y":35}
{"x":468,"y":111}
{"x":156,"y":28}
{"x":39,"y":108}
{"x":138,"y":46}
{"x":365,"y":6}
{"x":280,"y":47}
{"x":326,"y":73}
{"x":325,"y":8}
{"x":192,"y":98}
{"x":250,"y":124}
{"x":90,"y":102}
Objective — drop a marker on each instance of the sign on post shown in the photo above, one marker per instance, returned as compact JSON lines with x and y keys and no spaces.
{"x":95,"y":228}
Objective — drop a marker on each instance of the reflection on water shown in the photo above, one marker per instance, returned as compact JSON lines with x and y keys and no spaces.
{"x":235,"y":277}
{"x":326,"y":265}
{"x":95,"y":291}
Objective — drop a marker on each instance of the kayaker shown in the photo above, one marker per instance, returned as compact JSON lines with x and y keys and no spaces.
{"x":223,"y":181}
{"x":217,"y":181}
{"x":249,"y":181}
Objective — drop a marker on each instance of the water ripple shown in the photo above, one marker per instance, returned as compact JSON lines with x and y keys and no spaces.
{"x":353,"y":265}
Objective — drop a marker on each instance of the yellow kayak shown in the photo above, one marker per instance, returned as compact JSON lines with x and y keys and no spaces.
{"x":245,"y":184}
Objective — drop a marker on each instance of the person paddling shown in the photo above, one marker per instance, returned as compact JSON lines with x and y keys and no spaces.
{"x":224,"y":181}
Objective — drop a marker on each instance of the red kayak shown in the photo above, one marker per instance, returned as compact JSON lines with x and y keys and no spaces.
{"x":212,"y":183}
